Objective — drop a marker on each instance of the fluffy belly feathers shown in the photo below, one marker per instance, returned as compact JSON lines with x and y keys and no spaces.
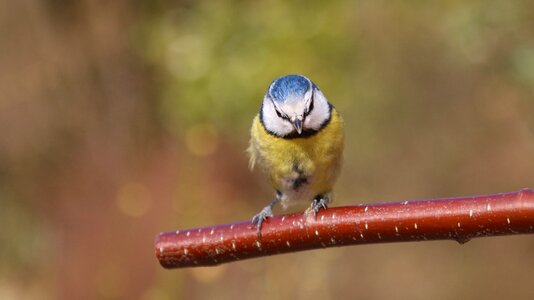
{"x":299,"y":168}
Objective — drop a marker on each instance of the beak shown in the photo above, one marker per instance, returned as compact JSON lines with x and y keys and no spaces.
{"x":298,"y":125}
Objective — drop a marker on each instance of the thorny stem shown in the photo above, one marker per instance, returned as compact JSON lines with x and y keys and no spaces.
{"x":457,"y":219}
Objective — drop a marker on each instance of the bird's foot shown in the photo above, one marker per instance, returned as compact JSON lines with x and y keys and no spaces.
{"x":258,"y":219}
{"x":316,"y":205}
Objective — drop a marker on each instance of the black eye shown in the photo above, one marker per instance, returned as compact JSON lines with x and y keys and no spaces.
{"x":278,"y":113}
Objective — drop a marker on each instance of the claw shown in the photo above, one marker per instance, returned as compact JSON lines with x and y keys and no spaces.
{"x":316,"y":205}
{"x":258,"y":219}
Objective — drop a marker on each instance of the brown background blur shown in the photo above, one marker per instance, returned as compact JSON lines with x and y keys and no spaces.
{"x":121,"y":119}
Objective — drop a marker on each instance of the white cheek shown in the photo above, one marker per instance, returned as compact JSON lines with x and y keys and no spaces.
{"x":274,"y":123}
{"x":319,"y":114}
{"x":279,"y":126}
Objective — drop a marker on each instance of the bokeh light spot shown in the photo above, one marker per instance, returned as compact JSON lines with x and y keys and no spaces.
{"x":133,"y":199}
{"x":202,"y":139}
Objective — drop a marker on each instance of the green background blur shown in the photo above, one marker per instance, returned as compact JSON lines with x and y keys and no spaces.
{"x":122,"y":119}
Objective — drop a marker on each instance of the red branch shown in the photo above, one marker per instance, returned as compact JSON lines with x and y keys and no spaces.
{"x":457,"y":219}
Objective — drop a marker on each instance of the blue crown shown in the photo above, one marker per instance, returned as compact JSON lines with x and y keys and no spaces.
{"x":285,"y":86}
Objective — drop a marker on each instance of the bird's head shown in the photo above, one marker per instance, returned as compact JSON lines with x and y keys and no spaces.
{"x":293,"y":106}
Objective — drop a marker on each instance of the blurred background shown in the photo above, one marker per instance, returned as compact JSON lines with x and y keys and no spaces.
{"x":121,"y":119}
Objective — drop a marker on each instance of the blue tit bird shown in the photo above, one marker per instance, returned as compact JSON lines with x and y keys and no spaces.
{"x":297,"y":139}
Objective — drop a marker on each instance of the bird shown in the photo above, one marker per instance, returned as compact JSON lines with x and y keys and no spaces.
{"x":297,"y":140}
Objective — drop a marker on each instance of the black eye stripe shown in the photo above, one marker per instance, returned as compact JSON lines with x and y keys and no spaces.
{"x":280,"y":115}
{"x":309,"y":110}
{"x":286,"y":117}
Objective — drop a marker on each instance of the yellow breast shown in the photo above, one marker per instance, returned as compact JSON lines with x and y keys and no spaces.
{"x":303,"y":167}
